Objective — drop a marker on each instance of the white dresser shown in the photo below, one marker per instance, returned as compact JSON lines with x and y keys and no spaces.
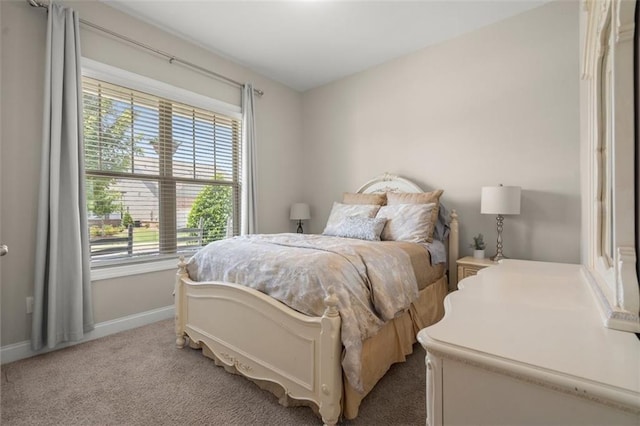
{"x":523,"y":343}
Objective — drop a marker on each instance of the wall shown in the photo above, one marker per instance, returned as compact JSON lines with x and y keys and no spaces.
{"x":23,"y":39}
{"x":499,"y":105}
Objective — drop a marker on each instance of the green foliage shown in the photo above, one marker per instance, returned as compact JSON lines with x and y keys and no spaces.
{"x":214,"y":205}
{"x":100,"y":199}
{"x":104,"y":231}
{"x":126,"y":220}
{"x":478,"y":243}
{"x":107,"y":134}
{"x":109,"y":147}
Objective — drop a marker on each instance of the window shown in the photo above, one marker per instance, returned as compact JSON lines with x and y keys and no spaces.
{"x":162,"y":176}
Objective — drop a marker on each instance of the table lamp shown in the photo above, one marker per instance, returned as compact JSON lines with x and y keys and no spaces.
{"x":500,"y":200}
{"x":300,"y":212}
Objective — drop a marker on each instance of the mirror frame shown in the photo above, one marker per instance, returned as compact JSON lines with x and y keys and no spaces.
{"x":608,"y":111}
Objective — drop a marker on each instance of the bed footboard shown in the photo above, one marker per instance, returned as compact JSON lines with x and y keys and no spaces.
{"x":265,"y":339}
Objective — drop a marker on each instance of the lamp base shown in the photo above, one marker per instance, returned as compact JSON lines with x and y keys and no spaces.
{"x":300,"y":231}
{"x":498,"y":257}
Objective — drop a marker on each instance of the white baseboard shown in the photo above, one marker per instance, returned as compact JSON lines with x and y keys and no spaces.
{"x":21,"y":350}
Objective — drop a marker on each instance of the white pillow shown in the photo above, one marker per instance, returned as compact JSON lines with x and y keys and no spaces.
{"x":407,"y":222}
{"x":341,"y":211}
{"x":363,"y":228}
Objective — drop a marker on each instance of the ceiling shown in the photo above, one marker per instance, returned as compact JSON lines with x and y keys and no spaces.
{"x":305,"y":44}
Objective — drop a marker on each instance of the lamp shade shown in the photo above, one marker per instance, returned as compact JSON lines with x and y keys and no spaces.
{"x":500,"y":200}
{"x":300,"y":211}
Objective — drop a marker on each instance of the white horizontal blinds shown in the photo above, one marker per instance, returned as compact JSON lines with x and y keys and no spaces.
{"x":169,"y":169}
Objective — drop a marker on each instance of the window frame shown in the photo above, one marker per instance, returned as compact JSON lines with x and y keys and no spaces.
{"x":105,"y":269}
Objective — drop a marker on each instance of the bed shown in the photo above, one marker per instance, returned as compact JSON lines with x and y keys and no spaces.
{"x":304,"y":358}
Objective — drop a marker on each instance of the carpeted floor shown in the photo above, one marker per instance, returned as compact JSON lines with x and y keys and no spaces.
{"x":139,"y":377}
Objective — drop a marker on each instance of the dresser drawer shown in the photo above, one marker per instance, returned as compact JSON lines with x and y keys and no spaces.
{"x":467,"y":271}
{"x":469,"y":266}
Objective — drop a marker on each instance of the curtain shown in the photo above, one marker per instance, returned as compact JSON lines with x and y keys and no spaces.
{"x":62,"y":287}
{"x":249,"y":221}
{"x":636,"y":82}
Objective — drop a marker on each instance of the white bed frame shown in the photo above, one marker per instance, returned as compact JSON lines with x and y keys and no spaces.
{"x":265,"y":339}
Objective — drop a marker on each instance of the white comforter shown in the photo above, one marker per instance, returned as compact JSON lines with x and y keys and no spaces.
{"x":374,"y":281}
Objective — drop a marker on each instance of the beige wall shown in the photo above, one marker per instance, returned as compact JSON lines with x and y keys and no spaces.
{"x":499,"y":105}
{"x":23,"y":38}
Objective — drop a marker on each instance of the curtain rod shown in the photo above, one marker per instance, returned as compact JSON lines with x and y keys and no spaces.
{"x":172,"y":58}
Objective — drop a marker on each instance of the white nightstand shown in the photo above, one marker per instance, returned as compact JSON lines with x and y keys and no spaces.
{"x":468,"y":266}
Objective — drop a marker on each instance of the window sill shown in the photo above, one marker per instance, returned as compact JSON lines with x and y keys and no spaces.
{"x":117,"y":271}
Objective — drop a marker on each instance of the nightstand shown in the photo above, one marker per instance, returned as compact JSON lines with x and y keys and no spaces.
{"x":468,"y":266}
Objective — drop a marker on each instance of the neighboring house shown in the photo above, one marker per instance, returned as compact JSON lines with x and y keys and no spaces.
{"x":138,"y":196}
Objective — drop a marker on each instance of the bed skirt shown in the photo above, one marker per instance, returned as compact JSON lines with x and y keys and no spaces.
{"x":394,"y":342}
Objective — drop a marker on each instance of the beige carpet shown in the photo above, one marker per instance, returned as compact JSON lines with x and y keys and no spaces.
{"x":138,"y":377}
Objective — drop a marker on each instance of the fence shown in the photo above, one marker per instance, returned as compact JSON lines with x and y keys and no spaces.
{"x":109,"y":245}
{"x":185,"y":238}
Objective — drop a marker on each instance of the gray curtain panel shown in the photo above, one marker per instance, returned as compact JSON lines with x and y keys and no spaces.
{"x":249,"y":219}
{"x":62,"y":288}
{"x":637,"y":132}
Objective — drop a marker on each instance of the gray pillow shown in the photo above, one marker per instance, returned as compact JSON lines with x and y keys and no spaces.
{"x":441,"y":229}
{"x":363,"y":228}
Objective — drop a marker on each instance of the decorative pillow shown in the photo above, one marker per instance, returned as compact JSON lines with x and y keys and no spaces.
{"x":340,"y":211}
{"x":418,"y":198}
{"x":363,"y":228}
{"x":379,"y":199}
{"x":407,"y":222}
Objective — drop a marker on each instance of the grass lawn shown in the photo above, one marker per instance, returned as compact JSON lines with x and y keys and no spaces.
{"x":144,"y":235}
{"x":144,"y":240}
{"x":141,"y":235}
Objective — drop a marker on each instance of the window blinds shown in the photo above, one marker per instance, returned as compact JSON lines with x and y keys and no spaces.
{"x":162,"y":177}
